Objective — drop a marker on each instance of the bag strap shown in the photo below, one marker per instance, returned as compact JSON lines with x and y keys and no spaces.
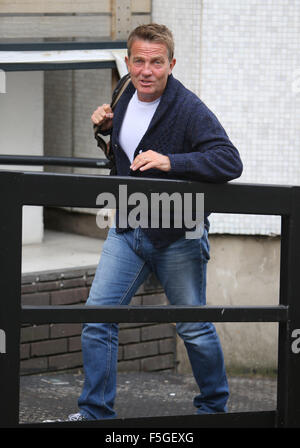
{"x":123,"y":83}
{"x":121,"y":86}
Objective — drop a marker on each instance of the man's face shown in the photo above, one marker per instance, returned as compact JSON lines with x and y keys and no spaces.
{"x":149,"y":68}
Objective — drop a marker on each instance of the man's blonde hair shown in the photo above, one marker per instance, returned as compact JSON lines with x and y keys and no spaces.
{"x":152,"y":32}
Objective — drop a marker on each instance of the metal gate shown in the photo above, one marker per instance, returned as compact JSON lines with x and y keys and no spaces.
{"x":47,"y":189}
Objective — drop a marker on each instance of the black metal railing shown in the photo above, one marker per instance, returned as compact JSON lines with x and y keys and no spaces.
{"x":48,"y":189}
{"x":80,"y":162}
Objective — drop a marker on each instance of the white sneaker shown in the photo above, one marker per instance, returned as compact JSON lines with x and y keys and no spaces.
{"x":71,"y":418}
{"x":76,"y":417}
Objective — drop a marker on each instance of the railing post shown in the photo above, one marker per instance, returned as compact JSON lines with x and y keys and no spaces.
{"x":288,"y":385}
{"x":10,"y":309}
{"x":283,"y":329}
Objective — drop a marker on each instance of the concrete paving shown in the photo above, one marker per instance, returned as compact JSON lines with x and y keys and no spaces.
{"x":61,"y":250}
{"x":139,"y":394}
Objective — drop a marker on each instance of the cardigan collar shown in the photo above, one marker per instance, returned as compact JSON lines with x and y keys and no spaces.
{"x":166,"y":99}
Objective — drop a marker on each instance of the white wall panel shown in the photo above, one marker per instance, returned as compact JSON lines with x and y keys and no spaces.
{"x":21,"y":132}
{"x":243,"y":60}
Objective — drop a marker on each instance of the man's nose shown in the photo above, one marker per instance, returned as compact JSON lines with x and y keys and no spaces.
{"x":147,"y":70}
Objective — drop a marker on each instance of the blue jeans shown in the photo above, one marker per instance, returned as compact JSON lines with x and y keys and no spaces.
{"x":125,"y":263}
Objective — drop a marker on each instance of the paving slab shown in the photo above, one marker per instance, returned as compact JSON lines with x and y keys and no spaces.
{"x":139,"y":394}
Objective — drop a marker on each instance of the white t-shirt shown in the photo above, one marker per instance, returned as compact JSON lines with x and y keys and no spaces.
{"x":135,"y":123}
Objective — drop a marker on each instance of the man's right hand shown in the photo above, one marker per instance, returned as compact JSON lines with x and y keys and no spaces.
{"x":103,"y":117}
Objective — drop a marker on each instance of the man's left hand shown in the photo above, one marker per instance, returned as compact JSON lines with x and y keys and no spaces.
{"x":151,"y":159}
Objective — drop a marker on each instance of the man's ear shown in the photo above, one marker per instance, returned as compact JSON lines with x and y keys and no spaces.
{"x":127,"y":62}
{"x":172,"y":65}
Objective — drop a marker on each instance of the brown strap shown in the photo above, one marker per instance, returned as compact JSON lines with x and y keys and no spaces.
{"x":101,"y":143}
{"x":115,"y":100}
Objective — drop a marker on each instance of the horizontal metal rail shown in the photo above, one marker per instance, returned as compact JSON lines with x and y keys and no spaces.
{"x":263,"y":419}
{"x":82,"y":162}
{"x":43,"y":66}
{"x":133,"y":314}
{"x":79,"y":190}
{"x":28,"y":45}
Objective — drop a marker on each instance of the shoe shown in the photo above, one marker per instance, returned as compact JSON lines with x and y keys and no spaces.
{"x":71,"y":418}
{"x":77,"y":418}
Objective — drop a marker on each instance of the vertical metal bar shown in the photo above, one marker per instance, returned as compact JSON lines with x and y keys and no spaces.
{"x":10,"y":309}
{"x":293,"y":391}
{"x":289,"y":346}
{"x":283,"y":329}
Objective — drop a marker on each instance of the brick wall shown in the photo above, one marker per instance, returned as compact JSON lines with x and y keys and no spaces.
{"x":55,"y":347}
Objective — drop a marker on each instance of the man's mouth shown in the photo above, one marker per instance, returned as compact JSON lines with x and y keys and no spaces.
{"x":145,"y":83}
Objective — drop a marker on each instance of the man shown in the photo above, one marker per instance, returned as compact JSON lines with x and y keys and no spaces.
{"x":158,"y":129}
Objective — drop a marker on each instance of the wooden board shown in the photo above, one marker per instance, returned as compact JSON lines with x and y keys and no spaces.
{"x":140,"y":19}
{"x":55,"y":27}
{"x":140,"y":6}
{"x":54,"y":6}
{"x":67,"y":6}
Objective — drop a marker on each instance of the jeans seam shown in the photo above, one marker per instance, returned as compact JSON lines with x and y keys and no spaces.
{"x":131,"y":284}
{"x":108,"y":360}
{"x":109,"y":351}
